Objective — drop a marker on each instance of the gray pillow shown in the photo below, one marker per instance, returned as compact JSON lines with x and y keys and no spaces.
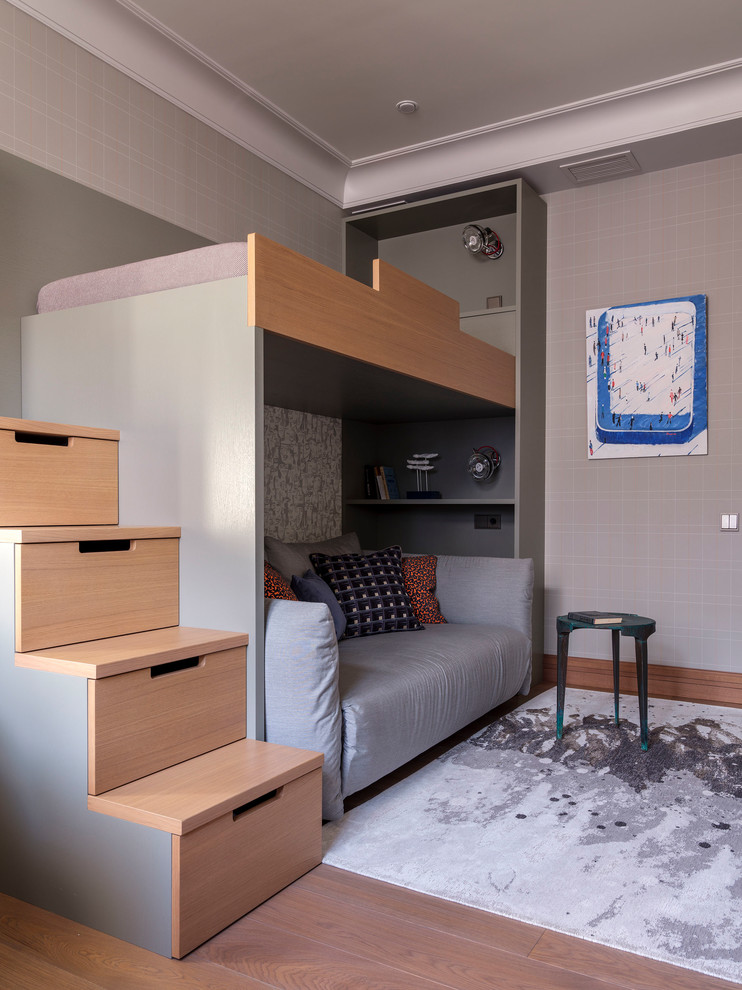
{"x":311,"y":588}
{"x":293,"y":558}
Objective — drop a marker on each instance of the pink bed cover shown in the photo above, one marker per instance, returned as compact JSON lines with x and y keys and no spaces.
{"x":206,"y":264}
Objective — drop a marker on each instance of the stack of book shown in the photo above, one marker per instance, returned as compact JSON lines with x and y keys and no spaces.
{"x":380,"y":482}
{"x":593,"y":618}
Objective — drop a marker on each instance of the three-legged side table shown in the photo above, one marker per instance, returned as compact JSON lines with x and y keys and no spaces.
{"x":637,"y":626}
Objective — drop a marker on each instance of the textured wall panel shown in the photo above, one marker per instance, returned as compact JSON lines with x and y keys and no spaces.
{"x":302,"y":475}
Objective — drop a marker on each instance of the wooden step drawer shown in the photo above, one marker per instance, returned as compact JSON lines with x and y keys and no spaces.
{"x":70,"y":592}
{"x":226,"y":868}
{"x":57,"y":475}
{"x":245,"y":821}
{"x":149,"y":719}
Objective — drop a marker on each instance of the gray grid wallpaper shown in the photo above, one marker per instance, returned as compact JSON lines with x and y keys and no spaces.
{"x":643,"y":534}
{"x":67,"y":110}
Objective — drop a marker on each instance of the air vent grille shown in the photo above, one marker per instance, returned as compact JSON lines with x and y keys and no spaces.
{"x":605,"y":167}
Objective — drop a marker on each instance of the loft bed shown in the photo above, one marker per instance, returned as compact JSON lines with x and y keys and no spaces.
{"x":397,"y":326}
{"x":181,"y":353}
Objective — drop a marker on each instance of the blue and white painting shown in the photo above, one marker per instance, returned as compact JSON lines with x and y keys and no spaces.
{"x":646,"y":379}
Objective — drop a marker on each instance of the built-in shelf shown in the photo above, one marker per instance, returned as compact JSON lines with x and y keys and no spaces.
{"x":375,"y":502}
{"x":423,"y":239}
{"x":497,"y":311}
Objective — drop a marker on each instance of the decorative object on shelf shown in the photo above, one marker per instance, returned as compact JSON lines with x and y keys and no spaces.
{"x":494,"y":302}
{"x":482,"y":240}
{"x":645,"y":366}
{"x":420,"y":464}
{"x":483,"y":462}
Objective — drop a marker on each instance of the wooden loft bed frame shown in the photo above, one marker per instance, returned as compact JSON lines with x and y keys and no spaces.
{"x":399,"y":324}
{"x":405,"y":334}
{"x":185,"y":374}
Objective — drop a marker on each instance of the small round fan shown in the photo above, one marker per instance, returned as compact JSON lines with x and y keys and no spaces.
{"x":482,"y":240}
{"x":483,"y":463}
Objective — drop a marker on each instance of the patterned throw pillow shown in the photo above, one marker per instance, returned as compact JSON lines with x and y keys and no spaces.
{"x":370,"y":589}
{"x":276,"y":585}
{"x":419,"y":581}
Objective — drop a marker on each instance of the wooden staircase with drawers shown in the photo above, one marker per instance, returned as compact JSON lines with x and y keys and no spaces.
{"x":131,"y":799}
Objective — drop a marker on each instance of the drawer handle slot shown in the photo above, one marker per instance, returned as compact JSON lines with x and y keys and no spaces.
{"x":104,"y":546}
{"x":263,"y":799}
{"x":44,"y":439}
{"x":170,"y":668}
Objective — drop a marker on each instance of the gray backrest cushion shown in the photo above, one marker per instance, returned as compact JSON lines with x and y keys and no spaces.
{"x":496,"y":590}
{"x":293,"y":558}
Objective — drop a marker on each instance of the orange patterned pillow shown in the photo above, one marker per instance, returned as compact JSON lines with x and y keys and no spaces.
{"x":419,"y":580}
{"x":276,"y":585}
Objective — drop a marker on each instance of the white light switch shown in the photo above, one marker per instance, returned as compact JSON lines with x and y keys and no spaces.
{"x":730,"y":522}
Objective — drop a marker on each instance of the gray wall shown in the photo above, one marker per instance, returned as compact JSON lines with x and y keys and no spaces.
{"x":642,"y":534}
{"x":438,"y":258}
{"x":53,"y":227}
{"x":67,"y":111}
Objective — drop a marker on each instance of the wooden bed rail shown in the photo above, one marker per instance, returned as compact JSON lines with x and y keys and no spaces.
{"x":400,"y":324}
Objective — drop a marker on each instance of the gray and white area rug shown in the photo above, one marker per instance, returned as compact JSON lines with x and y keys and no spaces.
{"x":588,"y":835}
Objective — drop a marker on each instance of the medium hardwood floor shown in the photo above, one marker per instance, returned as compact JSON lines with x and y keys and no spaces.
{"x":334,"y":930}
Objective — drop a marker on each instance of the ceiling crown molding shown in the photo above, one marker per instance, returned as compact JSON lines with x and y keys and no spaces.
{"x":233,"y":80}
{"x":124,"y":36}
{"x":582,"y":105}
{"x":643,"y":113}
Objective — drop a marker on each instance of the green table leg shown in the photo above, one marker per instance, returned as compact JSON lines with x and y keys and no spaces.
{"x":641,"y":683}
{"x":616,"y":637}
{"x":562,"y":652}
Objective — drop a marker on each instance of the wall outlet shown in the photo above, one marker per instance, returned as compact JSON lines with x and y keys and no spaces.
{"x":487,"y":520}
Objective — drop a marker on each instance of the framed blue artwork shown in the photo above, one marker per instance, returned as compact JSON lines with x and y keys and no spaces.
{"x":647,"y":379}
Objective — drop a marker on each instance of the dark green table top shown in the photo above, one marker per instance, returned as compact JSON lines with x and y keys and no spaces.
{"x":638,"y":626}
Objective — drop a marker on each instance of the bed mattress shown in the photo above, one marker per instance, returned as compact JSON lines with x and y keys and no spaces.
{"x":206,"y":264}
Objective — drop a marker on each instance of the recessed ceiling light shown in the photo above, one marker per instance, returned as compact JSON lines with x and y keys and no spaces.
{"x":407,"y":106}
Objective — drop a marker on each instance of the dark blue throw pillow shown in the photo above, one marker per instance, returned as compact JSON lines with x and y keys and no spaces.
{"x":311,"y":588}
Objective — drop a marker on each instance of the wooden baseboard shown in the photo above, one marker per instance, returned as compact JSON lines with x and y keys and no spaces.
{"x":716,"y":687}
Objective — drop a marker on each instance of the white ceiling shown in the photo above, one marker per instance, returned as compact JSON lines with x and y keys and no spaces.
{"x":503,"y":87}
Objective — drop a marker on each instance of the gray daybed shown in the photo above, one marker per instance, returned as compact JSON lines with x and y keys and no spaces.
{"x":372,"y":703}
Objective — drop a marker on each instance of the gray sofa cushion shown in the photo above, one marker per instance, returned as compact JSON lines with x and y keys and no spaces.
{"x":486,"y":589}
{"x":401,"y":694}
{"x":293,"y":558}
{"x":302,"y":702}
